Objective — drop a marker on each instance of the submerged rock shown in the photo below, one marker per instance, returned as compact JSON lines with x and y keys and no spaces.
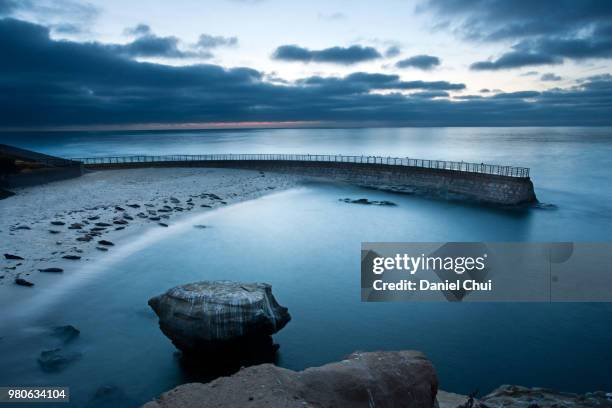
{"x":65,"y":333}
{"x":365,"y":201}
{"x":56,"y":360}
{"x":379,"y":379}
{"x":202,"y":316}
{"x":105,"y":242}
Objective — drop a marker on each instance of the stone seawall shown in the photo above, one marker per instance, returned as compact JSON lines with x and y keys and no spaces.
{"x":446,"y":184}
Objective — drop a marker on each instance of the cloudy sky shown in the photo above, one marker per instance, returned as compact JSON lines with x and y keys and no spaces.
{"x":194,"y":63}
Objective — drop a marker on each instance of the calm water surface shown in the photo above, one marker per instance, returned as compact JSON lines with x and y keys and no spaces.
{"x":306,"y":244}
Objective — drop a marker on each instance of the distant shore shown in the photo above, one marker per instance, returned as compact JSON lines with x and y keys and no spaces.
{"x":60,"y":224}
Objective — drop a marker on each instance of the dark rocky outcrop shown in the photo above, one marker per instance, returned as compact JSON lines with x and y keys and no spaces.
{"x":5,"y":194}
{"x":515,"y":396}
{"x":379,"y":379}
{"x":204,"y":316}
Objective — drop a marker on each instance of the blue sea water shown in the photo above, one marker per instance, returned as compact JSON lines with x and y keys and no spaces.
{"x":306,"y":244}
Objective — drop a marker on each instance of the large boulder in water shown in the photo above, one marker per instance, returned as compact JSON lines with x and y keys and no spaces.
{"x":385,"y":379}
{"x":202,"y":316}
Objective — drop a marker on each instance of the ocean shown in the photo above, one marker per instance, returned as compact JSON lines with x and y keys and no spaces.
{"x":306,"y":243}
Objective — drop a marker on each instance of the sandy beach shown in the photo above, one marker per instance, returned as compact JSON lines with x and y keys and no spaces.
{"x":59,"y":226}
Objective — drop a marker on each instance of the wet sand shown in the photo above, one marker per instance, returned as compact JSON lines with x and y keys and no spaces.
{"x":61,"y":224}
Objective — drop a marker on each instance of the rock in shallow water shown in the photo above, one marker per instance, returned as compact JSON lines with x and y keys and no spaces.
{"x":202,"y":316}
{"x":65,"y":333}
{"x":56,"y":360}
{"x":365,"y":201}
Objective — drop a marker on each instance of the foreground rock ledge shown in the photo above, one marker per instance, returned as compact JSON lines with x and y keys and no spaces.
{"x":199,"y":317}
{"x":384,"y":379}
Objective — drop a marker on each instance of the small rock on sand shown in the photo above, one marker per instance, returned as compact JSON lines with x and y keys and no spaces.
{"x":13,"y":257}
{"x":72,"y":257}
{"x":102,"y":249}
{"x":162,"y":224}
{"x":23,"y":282}
{"x":58,"y":223}
{"x":52,"y":270}
{"x":105,"y":242}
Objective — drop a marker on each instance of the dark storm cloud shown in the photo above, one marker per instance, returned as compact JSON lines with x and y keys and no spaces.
{"x":364,"y":82}
{"x":7,"y":7}
{"x":543,"y":31}
{"x":138,"y":30}
{"x":392,"y":51}
{"x":153,"y":46}
{"x":214,"y":41}
{"x":50,"y":10}
{"x":424,"y":62}
{"x":54,"y":83}
{"x":516,"y":60}
{"x":550,"y":77}
{"x":334,"y":55}
{"x":493,"y":20}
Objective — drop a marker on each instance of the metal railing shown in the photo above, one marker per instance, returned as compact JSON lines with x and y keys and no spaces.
{"x":482,"y":168}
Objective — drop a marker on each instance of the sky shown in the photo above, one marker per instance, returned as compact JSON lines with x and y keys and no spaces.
{"x":231,"y":63}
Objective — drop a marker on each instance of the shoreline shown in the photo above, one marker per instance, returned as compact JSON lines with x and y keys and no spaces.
{"x":126,"y":202}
